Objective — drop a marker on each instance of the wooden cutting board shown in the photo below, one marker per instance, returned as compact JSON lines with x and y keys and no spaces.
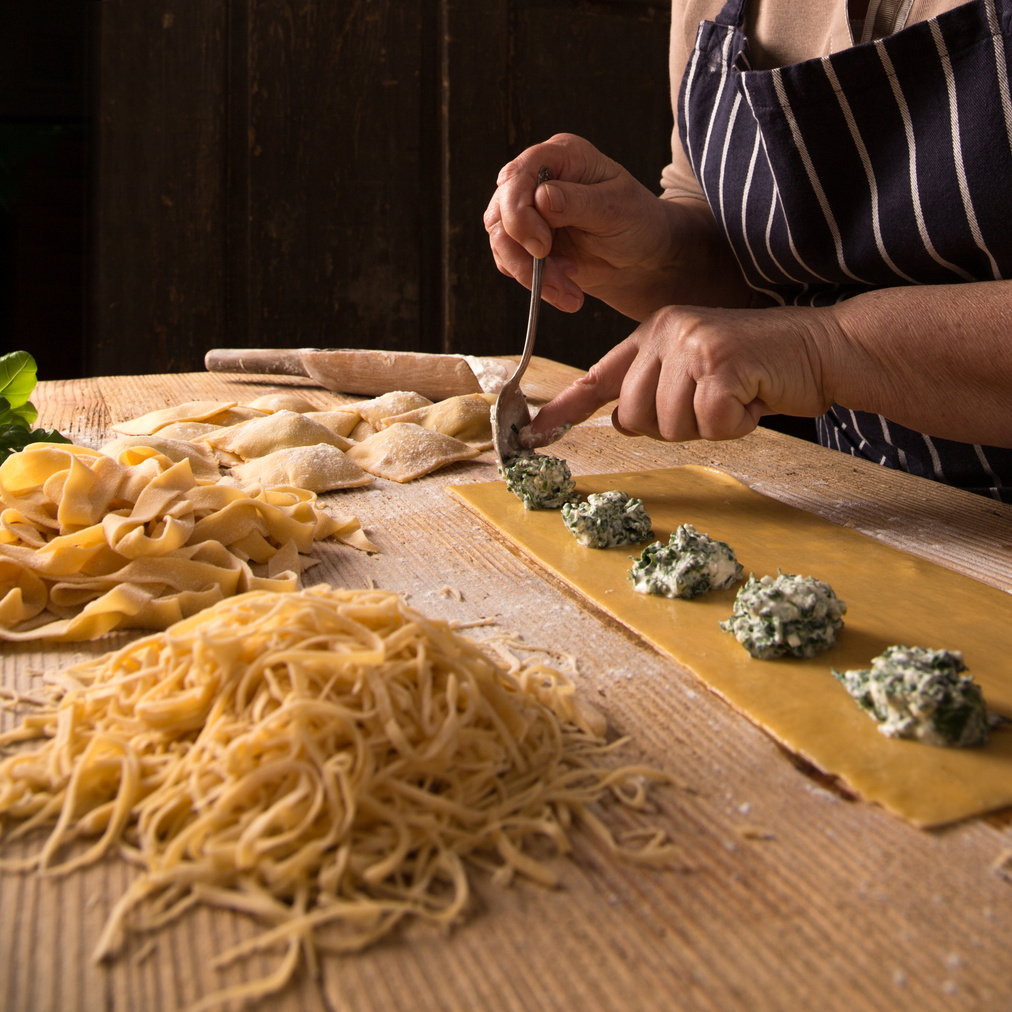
{"x":892,"y":597}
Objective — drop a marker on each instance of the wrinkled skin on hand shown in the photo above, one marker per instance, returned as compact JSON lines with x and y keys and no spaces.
{"x":593,"y":221}
{"x":692,"y":373}
{"x":935,"y":358}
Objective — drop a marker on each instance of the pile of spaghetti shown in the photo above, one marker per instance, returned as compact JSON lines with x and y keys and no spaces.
{"x":328,"y":761}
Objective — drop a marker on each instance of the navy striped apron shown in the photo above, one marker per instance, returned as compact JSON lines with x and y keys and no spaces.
{"x":886,"y":164}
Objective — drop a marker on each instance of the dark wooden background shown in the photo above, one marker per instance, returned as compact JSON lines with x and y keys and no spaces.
{"x":290,"y":173}
{"x":46,"y":181}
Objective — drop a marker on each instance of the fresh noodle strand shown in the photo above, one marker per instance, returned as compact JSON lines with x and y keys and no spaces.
{"x":326,"y":762}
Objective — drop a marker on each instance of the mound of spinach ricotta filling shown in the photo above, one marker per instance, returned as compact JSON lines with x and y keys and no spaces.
{"x":922,"y":694}
{"x":786,"y":614}
{"x":539,"y":481}
{"x":690,"y":564}
{"x":606,"y":519}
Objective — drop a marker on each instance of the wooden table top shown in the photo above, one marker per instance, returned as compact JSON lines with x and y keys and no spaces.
{"x":791,"y":895}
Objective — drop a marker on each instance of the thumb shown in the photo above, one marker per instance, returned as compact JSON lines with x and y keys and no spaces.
{"x":590,"y":207}
{"x":601,"y":384}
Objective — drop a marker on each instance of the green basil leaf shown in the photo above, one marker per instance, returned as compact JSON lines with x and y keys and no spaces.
{"x":25,"y":415}
{"x":14,"y":437}
{"x":18,"y":374}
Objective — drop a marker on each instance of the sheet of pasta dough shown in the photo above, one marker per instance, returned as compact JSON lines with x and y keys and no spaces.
{"x":891,"y":596}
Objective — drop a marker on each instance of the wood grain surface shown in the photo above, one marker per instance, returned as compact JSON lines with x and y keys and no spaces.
{"x":314,"y":174}
{"x":788,"y":894}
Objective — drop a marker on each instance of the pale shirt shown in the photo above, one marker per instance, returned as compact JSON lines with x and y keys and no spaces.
{"x":780,"y":32}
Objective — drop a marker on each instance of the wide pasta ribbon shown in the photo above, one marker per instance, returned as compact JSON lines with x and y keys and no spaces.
{"x":90,"y":543}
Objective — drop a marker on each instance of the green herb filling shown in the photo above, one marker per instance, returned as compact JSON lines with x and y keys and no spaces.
{"x":607,"y":519}
{"x":921,"y":694}
{"x":776,"y":616}
{"x":540,"y":482}
{"x":690,"y":564}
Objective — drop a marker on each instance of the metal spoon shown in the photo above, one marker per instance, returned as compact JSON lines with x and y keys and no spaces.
{"x":510,"y":412}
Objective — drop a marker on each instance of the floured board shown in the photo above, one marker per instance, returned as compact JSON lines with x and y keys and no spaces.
{"x":891,"y":597}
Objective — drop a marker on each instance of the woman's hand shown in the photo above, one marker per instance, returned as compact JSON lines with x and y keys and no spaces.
{"x":936,"y":358}
{"x":603,"y":233}
{"x":691,"y":373}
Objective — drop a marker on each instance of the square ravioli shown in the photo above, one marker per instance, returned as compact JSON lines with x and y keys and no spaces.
{"x":318,"y":468}
{"x":404,"y":451}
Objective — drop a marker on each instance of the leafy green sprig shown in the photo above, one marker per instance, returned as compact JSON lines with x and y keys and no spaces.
{"x":18,"y":376}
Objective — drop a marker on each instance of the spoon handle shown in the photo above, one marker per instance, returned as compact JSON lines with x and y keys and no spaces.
{"x":536,"y":278}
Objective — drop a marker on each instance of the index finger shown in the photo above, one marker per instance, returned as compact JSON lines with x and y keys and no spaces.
{"x":513,"y":205}
{"x":601,"y":384}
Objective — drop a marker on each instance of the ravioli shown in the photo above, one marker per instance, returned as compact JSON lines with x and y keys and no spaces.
{"x":261,"y":436}
{"x":318,"y":468}
{"x":362,"y":431}
{"x":189,"y":411}
{"x":404,"y":451}
{"x":282,"y":402}
{"x":340,"y":421}
{"x":187,"y":430}
{"x":467,"y":417}
{"x":396,"y":402}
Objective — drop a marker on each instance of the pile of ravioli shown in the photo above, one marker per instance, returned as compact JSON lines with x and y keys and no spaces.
{"x":281,"y":439}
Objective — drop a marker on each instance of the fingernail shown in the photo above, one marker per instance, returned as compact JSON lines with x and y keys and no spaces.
{"x":536,"y":248}
{"x":569,"y":301}
{"x":556,"y":198}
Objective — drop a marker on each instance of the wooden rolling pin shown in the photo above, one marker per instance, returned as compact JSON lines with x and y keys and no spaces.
{"x":369,"y":371}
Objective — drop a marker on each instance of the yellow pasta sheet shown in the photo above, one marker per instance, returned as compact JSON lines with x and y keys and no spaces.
{"x":892,"y":597}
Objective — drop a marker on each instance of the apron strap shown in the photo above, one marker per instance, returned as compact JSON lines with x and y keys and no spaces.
{"x":732,"y":13}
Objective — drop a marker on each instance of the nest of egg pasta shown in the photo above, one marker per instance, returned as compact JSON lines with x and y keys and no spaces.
{"x":330,"y":762}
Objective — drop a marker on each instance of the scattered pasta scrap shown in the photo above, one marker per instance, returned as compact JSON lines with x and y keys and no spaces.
{"x":1002,"y":865}
{"x":756,"y":833}
{"x":329,"y":762}
{"x":90,"y":543}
